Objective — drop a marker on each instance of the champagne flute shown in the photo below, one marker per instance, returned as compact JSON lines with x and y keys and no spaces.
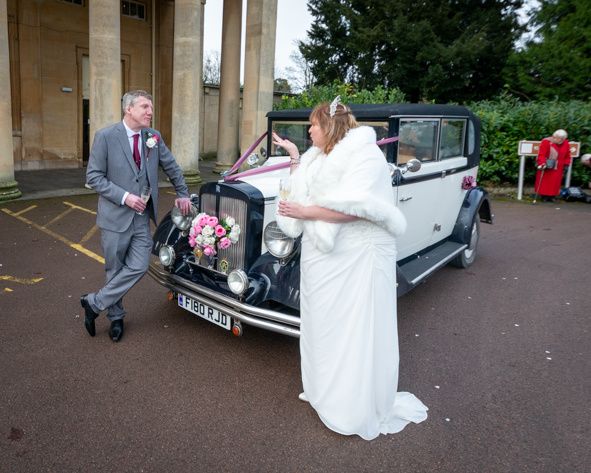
{"x":145,"y":196}
{"x":284,"y":188}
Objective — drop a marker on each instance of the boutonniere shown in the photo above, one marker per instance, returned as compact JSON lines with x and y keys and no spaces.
{"x":151,"y":141}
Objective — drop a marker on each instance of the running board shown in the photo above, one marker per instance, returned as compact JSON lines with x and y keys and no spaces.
{"x":418,"y":269}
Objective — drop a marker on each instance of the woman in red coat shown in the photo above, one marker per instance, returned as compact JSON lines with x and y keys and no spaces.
{"x":553,"y":156}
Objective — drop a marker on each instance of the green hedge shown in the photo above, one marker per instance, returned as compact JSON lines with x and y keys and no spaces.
{"x":349,"y":94}
{"x":505,"y":122}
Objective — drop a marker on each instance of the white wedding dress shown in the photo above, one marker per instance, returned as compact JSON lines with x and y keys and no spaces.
{"x":348,"y":331}
{"x":349,"y":336}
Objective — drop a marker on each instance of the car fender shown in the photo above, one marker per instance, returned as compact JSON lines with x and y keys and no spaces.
{"x":475,"y":202}
{"x":276,"y":280}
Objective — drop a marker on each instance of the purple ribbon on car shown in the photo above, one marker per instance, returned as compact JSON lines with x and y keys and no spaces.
{"x":229,"y":176}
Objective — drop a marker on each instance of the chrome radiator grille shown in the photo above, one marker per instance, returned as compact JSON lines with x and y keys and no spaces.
{"x":228,"y":206}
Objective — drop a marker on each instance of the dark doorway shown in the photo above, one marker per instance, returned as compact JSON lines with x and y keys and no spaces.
{"x":85,"y":131}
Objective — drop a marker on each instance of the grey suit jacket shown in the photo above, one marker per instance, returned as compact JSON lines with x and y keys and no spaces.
{"x":112,"y":171}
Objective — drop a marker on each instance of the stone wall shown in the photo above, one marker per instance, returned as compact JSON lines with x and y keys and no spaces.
{"x":48,"y":42}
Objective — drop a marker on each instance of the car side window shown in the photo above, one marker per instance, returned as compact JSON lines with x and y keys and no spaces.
{"x":417,"y":139}
{"x":452,"y":138}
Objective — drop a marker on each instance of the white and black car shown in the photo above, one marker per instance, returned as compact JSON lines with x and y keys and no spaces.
{"x":433,"y":158}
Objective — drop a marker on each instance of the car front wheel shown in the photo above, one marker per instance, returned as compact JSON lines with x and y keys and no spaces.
{"x":467,"y":256}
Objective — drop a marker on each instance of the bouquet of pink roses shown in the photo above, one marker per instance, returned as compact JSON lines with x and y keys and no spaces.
{"x":209,"y":234}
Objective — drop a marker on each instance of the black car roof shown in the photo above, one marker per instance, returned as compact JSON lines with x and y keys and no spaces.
{"x":382,"y":111}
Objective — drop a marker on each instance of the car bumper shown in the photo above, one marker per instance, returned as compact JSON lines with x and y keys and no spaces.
{"x":247,"y":314}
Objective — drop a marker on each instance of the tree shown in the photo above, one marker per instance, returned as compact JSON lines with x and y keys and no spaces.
{"x":442,"y":50}
{"x":556,"y":62}
{"x":300,"y":73}
{"x":212,"y":67}
{"x":281,"y":85}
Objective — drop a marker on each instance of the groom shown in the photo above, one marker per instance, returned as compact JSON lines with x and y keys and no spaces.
{"x":124,"y":158}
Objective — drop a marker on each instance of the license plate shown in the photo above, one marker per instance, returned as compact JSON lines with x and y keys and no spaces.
{"x":204,"y":311}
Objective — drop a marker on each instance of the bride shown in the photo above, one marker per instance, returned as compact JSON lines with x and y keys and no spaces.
{"x":341,"y":202}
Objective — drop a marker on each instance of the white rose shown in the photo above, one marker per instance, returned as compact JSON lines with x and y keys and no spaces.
{"x":230,"y":221}
{"x":207,"y":231}
{"x":233,"y":237}
{"x":199,"y":239}
{"x":150,"y":142}
{"x":235,"y":229}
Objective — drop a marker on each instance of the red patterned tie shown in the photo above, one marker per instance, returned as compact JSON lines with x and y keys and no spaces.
{"x":136,"y":150}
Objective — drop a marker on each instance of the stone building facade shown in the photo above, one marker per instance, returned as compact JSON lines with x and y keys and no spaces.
{"x":65,"y":64}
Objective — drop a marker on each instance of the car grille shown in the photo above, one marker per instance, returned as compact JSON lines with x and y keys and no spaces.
{"x":236,"y":208}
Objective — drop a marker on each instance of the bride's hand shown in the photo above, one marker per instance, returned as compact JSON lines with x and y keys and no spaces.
{"x":287,"y":208}
{"x":287,"y":145}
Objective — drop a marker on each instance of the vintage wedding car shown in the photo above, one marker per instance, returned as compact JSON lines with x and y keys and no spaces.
{"x":433,"y":153}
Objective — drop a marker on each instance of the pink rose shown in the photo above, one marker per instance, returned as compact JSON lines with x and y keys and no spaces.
{"x":224,"y":243}
{"x":208,"y":251}
{"x":220,"y":231}
{"x":192,"y":241}
{"x":198,"y":230}
{"x":212,"y":221}
{"x":203,"y":221}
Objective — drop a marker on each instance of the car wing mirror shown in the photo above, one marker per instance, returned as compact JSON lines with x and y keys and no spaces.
{"x":253,"y":160}
{"x":413,"y":165}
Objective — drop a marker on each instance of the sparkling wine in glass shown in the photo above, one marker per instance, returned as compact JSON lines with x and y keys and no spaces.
{"x":145,"y":196}
{"x":284,"y":188}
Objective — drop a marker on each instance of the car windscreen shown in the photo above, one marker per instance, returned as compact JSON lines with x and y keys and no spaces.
{"x":297,"y":133}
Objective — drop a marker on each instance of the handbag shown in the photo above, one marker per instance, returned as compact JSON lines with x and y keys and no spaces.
{"x":552,"y":159}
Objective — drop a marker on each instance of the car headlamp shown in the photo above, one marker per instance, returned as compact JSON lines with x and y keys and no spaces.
{"x":166,"y":255}
{"x":182,"y":222}
{"x":238,"y":281}
{"x":277,"y":242}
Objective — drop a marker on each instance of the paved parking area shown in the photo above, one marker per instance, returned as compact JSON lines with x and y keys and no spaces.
{"x":499,"y":352}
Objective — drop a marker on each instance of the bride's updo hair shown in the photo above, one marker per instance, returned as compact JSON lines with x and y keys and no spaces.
{"x":336,"y":127}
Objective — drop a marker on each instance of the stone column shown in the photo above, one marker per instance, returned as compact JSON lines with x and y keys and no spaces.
{"x":104,"y":45}
{"x":229,"y":108}
{"x":259,"y":59}
{"x":187,"y":87}
{"x":8,"y":186}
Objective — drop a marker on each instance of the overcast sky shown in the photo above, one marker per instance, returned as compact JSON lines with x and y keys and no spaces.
{"x":293,"y":20}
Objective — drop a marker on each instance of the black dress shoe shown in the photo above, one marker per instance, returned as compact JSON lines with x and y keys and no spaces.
{"x":116,"y":330}
{"x":89,"y":316}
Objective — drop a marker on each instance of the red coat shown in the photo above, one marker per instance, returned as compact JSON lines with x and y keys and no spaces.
{"x":551,"y":179}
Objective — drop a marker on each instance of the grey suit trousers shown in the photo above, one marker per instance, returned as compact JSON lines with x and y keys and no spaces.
{"x":127,"y":256}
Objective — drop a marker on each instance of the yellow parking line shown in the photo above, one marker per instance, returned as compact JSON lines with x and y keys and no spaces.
{"x":90,"y":233}
{"x":25,"y":210}
{"x":63,"y":214}
{"x":57,"y":236}
{"x":74,"y":206}
{"x":20,"y":280}
{"x":88,"y":253}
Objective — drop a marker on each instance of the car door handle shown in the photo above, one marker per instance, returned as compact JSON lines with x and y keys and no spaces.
{"x":404,"y":199}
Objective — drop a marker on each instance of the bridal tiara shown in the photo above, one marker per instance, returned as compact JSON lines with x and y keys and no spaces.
{"x":333,"y":106}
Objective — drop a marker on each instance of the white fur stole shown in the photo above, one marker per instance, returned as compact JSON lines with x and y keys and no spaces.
{"x":353,"y":179}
